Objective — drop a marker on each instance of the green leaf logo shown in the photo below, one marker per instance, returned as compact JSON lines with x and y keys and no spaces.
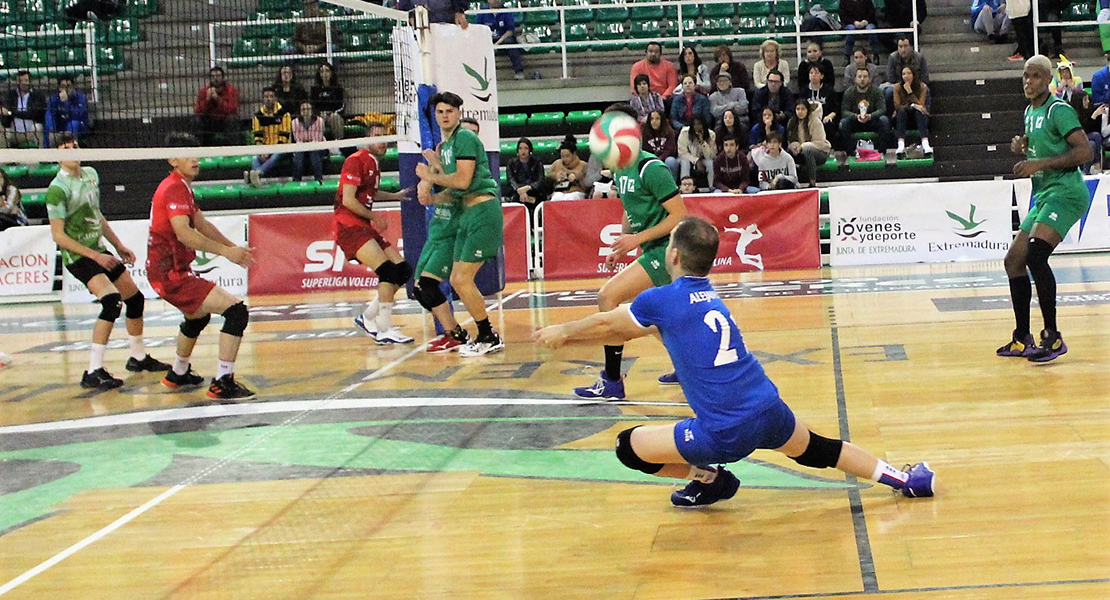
{"x":967,"y":225}
{"x":480,"y":79}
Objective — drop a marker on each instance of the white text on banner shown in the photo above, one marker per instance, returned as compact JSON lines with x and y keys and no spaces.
{"x":27,"y":260}
{"x":1092,"y":232}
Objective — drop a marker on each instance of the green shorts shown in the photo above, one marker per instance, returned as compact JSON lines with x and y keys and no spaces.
{"x":654,"y":262}
{"x":435,"y":258}
{"x":481,"y":232}
{"x":1057,"y":212}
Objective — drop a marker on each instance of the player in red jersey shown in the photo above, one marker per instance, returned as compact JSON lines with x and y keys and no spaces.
{"x":358,"y":232}
{"x":177,"y":230}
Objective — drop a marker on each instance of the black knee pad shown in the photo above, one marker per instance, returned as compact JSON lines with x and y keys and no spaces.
{"x":135,"y":306}
{"x":110,"y":307}
{"x":822,"y":453}
{"x":391,"y":272}
{"x":405,"y":272}
{"x":235,"y":319}
{"x":1037,"y":257}
{"x":191,"y":328}
{"x":430,"y":295}
{"x":628,"y":456}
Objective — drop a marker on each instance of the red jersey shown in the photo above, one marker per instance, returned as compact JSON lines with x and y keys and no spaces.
{"x":360,"y":170}
{"x":165,"y":254}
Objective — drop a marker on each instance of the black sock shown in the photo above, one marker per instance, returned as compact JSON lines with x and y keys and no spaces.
{"x":1021,"y":292}
{"x":1046,"y":295}
{"x":459,"y":333}
{"x":485,"y":330}
{"x":613,"y":355}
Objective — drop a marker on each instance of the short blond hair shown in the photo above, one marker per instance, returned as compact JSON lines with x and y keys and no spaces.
{"x":1040,"y":61}
{"x":769,"y":44}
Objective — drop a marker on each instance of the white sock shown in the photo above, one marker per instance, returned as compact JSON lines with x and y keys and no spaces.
{"x":138,"y":347}
{"x":888,"y":475}
{"x":224,"y":367}
{"x":96,"y":356}
{"x":385,"y":316}
{"x":925,"y":147}
{"x":180,"y":365}
{"x":702,"y":474}
{"x":901,"y":146}
{"x":371,"y":311}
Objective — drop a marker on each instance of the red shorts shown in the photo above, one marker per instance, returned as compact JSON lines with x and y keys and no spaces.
{"x":185,"y":291}
{"x":351,"y":239}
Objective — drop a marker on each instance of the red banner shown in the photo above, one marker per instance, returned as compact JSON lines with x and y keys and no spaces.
{"x":296,"y":253}
{"x":765,"y":231}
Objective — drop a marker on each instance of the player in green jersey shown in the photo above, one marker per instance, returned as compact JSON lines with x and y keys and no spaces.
{"x":653,"y":207}
{"x":461,"y":166}
{"x":1055,"y":146}
{"x":78,"y":227}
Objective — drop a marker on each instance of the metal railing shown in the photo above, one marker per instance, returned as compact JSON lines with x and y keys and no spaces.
{"x":1038,"y":24}
{"x":329,"y":52}
{"x":87,"y":31}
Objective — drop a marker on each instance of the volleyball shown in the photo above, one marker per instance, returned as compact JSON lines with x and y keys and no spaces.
{"x":615,"y":140}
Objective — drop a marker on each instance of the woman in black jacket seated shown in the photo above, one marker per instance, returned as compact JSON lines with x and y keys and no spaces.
{"x":525,"y":176}
{"x":327,"y":97}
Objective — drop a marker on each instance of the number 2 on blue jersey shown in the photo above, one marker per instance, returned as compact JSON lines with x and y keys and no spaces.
{"x":718,"y":323}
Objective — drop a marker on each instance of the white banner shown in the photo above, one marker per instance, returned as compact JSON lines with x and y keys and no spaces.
{"x":133,"y":235}
{"x":28,"y":258}
{"x":914,"y":222}
{"x":1092,"y":232}
{"x":464,"y":64}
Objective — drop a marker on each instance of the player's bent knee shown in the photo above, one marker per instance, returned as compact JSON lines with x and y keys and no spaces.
{"x":110,"y":307}
{"x":135,"y":305}
{"x":393,"y":273}
{"x":821,"y":453}
{"x":405,"y":272}
{"x":629,"y":458}
{"x":191,"y":328}
{"x":1039,"y":251}
{"x":430,"y":296}
{"x":235,"y":319}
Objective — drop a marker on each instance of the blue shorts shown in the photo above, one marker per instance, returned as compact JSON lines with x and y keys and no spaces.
{"x":768,"y":430}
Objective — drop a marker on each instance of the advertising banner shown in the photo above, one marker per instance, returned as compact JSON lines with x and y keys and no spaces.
{"x":464,"y":65}
{"x":907,"y":223}
{"x":134,"y":234}
{"x":765,"y":231}
{"x":517,"y":244}
{"x":1092,"y":232}
{"x":28,"y":258}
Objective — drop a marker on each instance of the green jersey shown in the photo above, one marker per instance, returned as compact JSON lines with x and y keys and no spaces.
{"x":77,"y":201}
{"x":465,"y":145}
{"x":445,"y":220}
{"x":643,"y":188}
{"x":1047,"y":128}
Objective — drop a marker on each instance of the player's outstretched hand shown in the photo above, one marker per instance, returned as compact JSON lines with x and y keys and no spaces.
{"x":1019,"y":144}
{"x":406,"y":193}
{"x":127,"y":255}
{"x":240,"y":255}
{"x":107,"y":261}
{"x":551,"y":337}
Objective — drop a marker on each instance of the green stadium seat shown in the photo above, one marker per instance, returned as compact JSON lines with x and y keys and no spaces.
{"x":611,"y":13}
{"x":787,"y":8}
{"x":13,"y":38}
{"x":547,"y":148}
{"x":854,"y":164}
{"x":222,"y":192}
{"x":829,"y":165}
{"x":540,"y":17}
{"x":756,"y":9}
{"x":833,"y":6}
{"x":32,"y":59}
{"x":584,"y":15}
{"x":43,"y":170}
{"x":546,"y":119}
{"x":577,"y":32}
{"x":711,"y":11}
{"x":391,"y":153}
{"x":649,"y":29}
{"x":209,"y":162}
{"x":68,"y":57}
{"x":512,"y":120}
{"x":605,"y":32}
{"x":1080,"y":11}
{"x":361,"y":25}
{"x":904,"y":163}
{"x":58,"y":40}
{"x":238,"y":163}
{"x":583,"y":117}
{"x":269,"y":5}
{"x":118,"y":32}
{"x":390,"y":184}
{"x":9,"y":12}
{"x":34,"y":202}
{"x":540,"y":34}
{"x":109,"y":60}
{"x":330,"y":186}
{"x":141,"y":8}
{"x":39,"y":11}
{"x":275,"y":49}
{"x":299,"y":188}
{"x":15,"y":171}
{"x":508,"y":148}
{"x":824,"y":230}
{"x":689,"y":11}
{"x":246,"y":47}
{"x":717,"y":26}
{"x":359,"y":40}
{"x":647,"y":13}
{"x":689,"y":26}
{"x":823,"y":201}
{"x":264,"y":191}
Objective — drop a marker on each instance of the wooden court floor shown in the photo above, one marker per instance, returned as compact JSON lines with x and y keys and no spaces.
{"x":361,"y":471}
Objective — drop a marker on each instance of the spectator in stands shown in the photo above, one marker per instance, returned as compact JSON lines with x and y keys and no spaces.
{"x":272,"y":125}
{"x":989,"y":18}
{"x":93,"y":10}
{"x":776,"y":96}
{"x":217,"y":108}
{"x":905,"y":56}
{"x":23,"y":114}
{"x":731,"y":171}
{"x":311,"y":37}
{"x":731,"y":127}
{"x":689,"y":63}
{"x":1100,"y":83}
{"x":762,"y":131}
{"x":806,"y":140}
{"x":11,"y":207}
{"x":1050,"y":12}
{"x":289,"y":91}
{"x":1021,"y":17}
{"x":67,"y":110}
{"x":863,"y":109}
{"x":741,"y":80}
{"x":687,"y":186}
{"x":777,"y":170}
{"x":439,"y":11}
{"x":769,"y":60}
{"x":688,"y":105}
{"x":599,"y":180}
{"x":658,"y":137}
{"x":729,"y":98}
{"x":856,"y":15}
{"x":525,"y":176}
{"x":823,"y":94}
{"x":814,"y":60}
{"x":697,"y":147}
{"x":909,"y":102}
{"x":308,"y":127}
{"x":662,"y":73}
{"x":644,"y":101}
{"x":899,"y":13}
{"x":860,"y":61}
{"x":1072,"y":92}
{"x":567,"y":175}
{"x":327,"y":96}
{"x":502,"y":25}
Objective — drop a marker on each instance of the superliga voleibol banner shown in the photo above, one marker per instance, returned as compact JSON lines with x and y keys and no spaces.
{"x":27,"y":260}
{"x":1092,"y":232}
{"x":134,"y":234}
{"x":907,"y":223}
{"x":464,"y":64}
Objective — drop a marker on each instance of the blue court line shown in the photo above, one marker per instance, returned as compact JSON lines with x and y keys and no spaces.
{"x":924,"y":590}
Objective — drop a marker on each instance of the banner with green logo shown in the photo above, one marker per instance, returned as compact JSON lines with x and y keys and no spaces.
{"x":463,"y":63}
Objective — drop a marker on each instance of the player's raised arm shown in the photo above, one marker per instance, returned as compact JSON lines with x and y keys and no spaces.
{"x":611,"y":327}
